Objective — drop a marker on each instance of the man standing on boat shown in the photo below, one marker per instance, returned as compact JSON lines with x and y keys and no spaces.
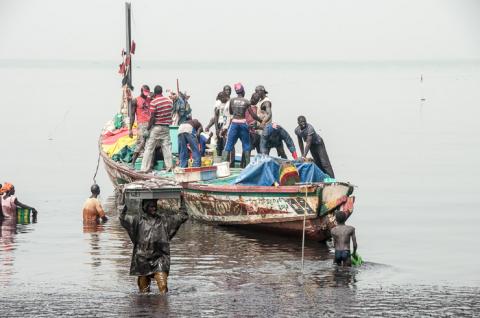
{"x":238,"y":127}
{"x":140,"y":109}
{"x":188,"y":135}
{"x":314,"y":144}
{"x":264,"y":106}
{"x":158,"y":130}
{"x":273,"y":136}
{"x":181,"y":109}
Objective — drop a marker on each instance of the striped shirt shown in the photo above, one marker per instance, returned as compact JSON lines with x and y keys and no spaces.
{"x":161,"y":107}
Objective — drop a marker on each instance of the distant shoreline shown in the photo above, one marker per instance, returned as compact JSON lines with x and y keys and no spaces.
{"x":241,"y":64}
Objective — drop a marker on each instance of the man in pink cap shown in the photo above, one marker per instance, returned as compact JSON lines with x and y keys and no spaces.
{"x":238,"y":126}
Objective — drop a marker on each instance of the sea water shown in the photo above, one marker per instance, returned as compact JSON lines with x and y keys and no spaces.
{"x":410,"y":146}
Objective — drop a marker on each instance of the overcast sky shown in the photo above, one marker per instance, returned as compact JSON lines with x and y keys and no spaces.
{"x":242,"y":30}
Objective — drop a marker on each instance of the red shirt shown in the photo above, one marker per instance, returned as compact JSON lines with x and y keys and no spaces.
{"x":161,"y":108}
{"x":143,"y":109}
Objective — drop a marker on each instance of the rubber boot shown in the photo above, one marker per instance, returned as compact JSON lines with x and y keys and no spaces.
{"x":246,"y":161}
{"x":143,"y":284}
{"x":226,"y":156}
{"x":161,"y":279}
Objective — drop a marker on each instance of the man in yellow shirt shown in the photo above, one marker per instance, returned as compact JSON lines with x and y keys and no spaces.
{"x":92,"y":209}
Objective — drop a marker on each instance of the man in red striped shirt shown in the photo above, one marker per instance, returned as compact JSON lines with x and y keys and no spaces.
{"x":158,"y":130}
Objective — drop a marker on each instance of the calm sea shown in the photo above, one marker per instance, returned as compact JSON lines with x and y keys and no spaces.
{"x":405,"y":133}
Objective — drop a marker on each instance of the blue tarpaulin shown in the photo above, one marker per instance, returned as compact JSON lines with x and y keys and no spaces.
{"x":265,"y":170}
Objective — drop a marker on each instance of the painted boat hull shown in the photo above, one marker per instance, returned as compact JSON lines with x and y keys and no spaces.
{"x":275,"y":209}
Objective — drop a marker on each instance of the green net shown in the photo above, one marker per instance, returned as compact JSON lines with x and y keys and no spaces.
{"x":356,"y":260}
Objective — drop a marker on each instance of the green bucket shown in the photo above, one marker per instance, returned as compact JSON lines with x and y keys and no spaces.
{"x":174,"y":138}
{"x":138,"y":164}
{"x":23,"y":216}
{"x":159,"y":165}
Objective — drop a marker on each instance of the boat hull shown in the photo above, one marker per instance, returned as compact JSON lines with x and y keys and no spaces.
{"x":276,"y":209}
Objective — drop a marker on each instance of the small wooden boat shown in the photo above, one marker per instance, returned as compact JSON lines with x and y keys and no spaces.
{"x":279,"y":209}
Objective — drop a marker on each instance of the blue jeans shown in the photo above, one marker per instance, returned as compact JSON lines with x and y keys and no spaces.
{"x":183,"y":140}
{"x":235,"y":131}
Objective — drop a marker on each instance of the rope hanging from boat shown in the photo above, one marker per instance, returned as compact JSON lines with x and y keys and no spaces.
{"x":304,"y":220}
{"x":96,"y":170}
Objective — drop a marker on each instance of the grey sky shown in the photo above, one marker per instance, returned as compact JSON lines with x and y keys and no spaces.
{"x":242,"y":30}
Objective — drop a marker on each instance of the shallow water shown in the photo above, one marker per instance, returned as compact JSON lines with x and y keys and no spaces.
{"x":415,"y":164}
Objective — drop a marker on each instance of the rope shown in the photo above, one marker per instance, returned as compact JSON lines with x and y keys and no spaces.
{"x":96,"y":170}
{"x":304,"y":220}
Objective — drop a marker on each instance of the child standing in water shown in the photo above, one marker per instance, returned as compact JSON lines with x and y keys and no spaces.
{"x":341,"y":237}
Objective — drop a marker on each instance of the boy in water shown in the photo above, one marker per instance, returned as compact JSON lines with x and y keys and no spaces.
{"x":341,"y":236}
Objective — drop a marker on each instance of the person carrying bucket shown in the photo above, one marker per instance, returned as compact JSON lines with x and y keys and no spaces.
{"x":342,"y":234}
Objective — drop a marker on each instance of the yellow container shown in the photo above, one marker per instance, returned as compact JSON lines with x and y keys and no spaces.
{"x":207,"y":161}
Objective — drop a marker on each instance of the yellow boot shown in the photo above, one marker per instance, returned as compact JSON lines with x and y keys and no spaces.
{"x":161,"y":279}
{"x":144,"y":284}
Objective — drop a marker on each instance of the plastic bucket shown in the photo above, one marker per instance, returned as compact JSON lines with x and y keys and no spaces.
{"x":23,"y":216}
{"x":174,"y":138}
{"x":159,"y":165}
{"x":138,"y":164}
{"x":223,"y":169}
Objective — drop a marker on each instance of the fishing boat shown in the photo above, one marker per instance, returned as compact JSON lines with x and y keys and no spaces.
{"x":281,"y":209}
{"x":212,"y":196}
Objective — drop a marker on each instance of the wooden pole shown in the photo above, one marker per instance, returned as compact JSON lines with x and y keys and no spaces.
{"x":128,"y":45}
{"x":178,"y":88}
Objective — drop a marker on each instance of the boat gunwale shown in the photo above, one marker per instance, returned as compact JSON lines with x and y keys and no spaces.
{"x":229,"y":188}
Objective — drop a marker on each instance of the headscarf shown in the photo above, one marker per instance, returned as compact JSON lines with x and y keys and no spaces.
{"x":6,"y":187}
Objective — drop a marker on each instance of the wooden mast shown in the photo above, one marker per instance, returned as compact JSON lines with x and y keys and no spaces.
{"x":128,"y":47}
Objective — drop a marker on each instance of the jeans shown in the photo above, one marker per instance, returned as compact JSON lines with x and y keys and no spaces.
{"x":159,"y":135}
{"x":185,"y":139}
{"x":235,"y":131}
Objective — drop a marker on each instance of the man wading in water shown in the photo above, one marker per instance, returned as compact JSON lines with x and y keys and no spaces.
{"x":341,"y":237}
{"x":151,"y":233}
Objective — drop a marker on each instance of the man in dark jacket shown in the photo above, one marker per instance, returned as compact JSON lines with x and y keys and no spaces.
{"x":313,"y":143}
{"x":273,"y":136}
{"x":151,"y":233}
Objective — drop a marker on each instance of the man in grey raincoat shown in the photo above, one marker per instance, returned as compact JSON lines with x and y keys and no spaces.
{"x":151,"y":233}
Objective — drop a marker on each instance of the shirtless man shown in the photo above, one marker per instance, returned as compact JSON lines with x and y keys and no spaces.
{"x":341,"y":237}
{"x":238,"y":126}
{"x":92,"y":209}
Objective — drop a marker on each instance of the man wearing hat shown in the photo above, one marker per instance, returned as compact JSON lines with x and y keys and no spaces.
{"x":264,"y":106}
{"x":238,"y":126}
{"x":140,"y":109}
